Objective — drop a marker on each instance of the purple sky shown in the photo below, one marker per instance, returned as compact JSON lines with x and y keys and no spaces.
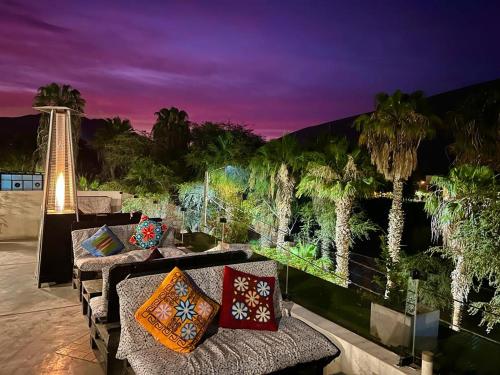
{"x":274,"y":65}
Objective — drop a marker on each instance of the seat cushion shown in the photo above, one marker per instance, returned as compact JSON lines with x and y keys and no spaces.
{"x":239,"y":352}
{"x":99,"y":307}
{"x":133,"y":292}
{"x":90,"y":263}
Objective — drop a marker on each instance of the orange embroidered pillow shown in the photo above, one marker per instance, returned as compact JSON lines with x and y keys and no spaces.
{"x":178,"y":313}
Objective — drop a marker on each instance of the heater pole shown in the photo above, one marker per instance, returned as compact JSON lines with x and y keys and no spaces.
{"x":72,"y":155}
{"x":44,"y":197}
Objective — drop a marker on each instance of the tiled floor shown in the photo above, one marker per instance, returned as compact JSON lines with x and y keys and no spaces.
{"x":42,"y":331}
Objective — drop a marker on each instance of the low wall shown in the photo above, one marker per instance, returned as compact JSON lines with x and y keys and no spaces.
{"x":359,"y":356}
{"x":117,"y":197}
{"x":20,"y":213}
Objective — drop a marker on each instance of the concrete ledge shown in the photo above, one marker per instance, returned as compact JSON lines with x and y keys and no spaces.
{"x":359,"y":356}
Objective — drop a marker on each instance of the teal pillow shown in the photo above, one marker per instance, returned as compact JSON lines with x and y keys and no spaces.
{"x":148,"y":233}
{"x":103,"y":243}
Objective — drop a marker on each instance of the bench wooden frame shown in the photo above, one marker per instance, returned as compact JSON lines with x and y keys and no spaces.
{"x":105,"y":333}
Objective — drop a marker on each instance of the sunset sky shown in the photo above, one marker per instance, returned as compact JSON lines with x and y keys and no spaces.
{"x":274,"y":65}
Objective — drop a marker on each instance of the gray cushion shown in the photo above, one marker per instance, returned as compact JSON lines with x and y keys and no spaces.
{"x":98,"y":307}
{"x":91,"y":263}
{"x":167,"y":252}
{"x":134,"y":292}
{"x":239,"y":351}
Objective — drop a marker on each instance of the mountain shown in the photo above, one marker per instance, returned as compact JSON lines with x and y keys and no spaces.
{"x":26,"y":127}
{"x":433,"y":156}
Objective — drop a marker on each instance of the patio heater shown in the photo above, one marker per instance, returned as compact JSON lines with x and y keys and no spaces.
{"x":59,"y":205}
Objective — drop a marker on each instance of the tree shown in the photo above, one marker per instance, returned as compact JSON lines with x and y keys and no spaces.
{"x":392,"y":134}
{"x":272,"y":173}
{"x":105,"y":136}
{"x":476,"y":128}
{"x":215,"y":145}
{"x":56,"y":95}
{"x":339,"y":176}
{"x":456,"y":199}
{"x":118,"y":154}
{"x":170,"y":136}
{"x":146,"y":176}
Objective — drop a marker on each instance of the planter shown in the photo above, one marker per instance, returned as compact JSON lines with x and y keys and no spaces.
{"x":394,"y":328}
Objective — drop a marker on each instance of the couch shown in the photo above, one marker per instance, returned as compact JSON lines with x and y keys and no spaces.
{"x":223,"y":351}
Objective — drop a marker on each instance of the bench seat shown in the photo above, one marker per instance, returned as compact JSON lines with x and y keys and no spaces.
{"x":222,"y":351}
{"x":231,"y":351}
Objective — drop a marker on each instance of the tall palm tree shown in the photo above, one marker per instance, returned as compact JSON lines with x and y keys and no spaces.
{"x":273,"y":169}
{"x":170,"y":134}
{"x":392,"y":134}
{"x":56,"y":95}
{"x":338,"y":175}
{"x":455,"y":199}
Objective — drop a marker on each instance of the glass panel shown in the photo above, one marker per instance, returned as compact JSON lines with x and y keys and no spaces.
{"x":6,"y":177}
{"x":28,"y":177}
{"x":6,"y":185}
{"x":37,"y":177}
{"x":28,"y":185}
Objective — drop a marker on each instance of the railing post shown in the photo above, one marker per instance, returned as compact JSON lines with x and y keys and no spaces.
{"x":205,"y":202}
{"x":427,"y":363}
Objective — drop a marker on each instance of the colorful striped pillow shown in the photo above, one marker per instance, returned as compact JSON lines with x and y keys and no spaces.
{"x":103,"y":243}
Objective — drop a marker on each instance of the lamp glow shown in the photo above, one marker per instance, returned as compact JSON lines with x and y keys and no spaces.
{"x":60,"y":190}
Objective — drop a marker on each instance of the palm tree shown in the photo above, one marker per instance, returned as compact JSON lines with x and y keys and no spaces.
{"x":170,"y":135}
{"x":56,"y":95}
{"x":339,"y":175}
{"x":455,"y":199}
{"x":392,"y":134}
{"x":273,"y":169}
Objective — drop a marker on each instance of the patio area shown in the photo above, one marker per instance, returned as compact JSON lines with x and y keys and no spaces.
{"x":43,"y":330}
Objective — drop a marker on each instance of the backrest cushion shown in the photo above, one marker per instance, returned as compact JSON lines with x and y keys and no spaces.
{"x":133,"y":292}
{"x":178,"y":313}
{"x":103,"y":243}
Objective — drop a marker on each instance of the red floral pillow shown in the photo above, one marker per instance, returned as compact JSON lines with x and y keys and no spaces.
{"x":247,"y":301}
{"x":148,"y":233}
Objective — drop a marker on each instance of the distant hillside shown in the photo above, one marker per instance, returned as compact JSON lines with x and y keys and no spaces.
{"x":433,"y":157}
{"x":26,"y":126}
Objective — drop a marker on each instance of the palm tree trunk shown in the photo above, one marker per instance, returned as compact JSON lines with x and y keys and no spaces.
{"x":343,"y":238}
{"x":396,"y":221}
{"x":459,"y":291}
{"x":395,"y":231}
{"x":285,"y":187}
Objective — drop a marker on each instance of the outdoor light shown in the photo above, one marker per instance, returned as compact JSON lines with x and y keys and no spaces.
{"x":183,"y":230}
{"x":59,"y":204}
{"x":223,"y":221}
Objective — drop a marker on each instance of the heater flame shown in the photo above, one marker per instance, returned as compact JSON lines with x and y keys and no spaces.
{"x":60,"y":193}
